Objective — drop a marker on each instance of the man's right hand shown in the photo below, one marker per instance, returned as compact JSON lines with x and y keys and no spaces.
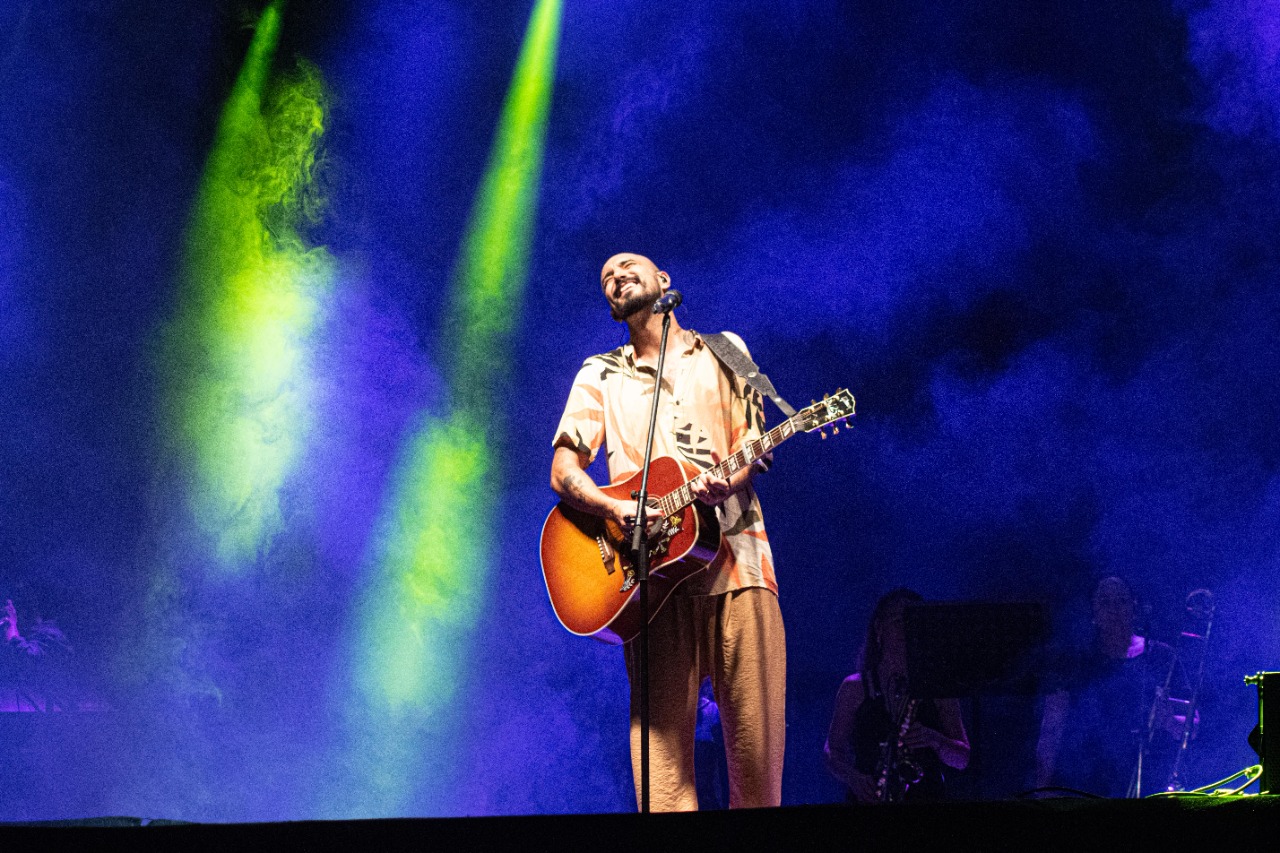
{"x":622,"y":513}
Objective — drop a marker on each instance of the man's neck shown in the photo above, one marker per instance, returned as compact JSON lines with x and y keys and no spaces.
{"x":646,"y":335}
{"x":1119,"y":644}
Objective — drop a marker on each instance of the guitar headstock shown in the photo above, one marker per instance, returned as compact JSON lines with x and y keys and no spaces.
{"x":834,"y":409}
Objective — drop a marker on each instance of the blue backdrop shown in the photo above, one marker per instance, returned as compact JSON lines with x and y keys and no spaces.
{"x":1036,"y":239}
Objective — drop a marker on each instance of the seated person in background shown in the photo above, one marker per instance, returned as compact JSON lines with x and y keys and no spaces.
{"x":1099,"y":700}
{"x":873,"y":713}
{"x":41,"y":634}
{"x":31,"y":673}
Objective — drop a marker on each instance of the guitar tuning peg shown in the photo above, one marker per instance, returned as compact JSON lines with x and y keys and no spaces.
{"x":835,"y":430}
{"x":823,"y":434}
{"x":812,"y":402}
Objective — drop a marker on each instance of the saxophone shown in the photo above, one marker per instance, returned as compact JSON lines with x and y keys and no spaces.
{"x":896,"y":771}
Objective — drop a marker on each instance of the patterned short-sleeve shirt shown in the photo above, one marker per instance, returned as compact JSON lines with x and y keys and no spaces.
{"x":705,"y":413}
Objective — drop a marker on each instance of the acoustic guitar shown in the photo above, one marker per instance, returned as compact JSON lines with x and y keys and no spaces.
{"x":586,"y":559}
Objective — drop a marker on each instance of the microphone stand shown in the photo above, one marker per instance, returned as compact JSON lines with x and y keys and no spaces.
{"x":640,"y":559}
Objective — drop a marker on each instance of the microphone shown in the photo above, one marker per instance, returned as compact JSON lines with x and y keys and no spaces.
{"x":668,"y":302}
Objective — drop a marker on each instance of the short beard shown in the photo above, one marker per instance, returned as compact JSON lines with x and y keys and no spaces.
{"x":631,"y":305}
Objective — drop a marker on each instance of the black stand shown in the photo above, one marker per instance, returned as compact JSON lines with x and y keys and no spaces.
{"x":959,"y":651}
{"x":640,"y":559}
{"x":1265,"y":739}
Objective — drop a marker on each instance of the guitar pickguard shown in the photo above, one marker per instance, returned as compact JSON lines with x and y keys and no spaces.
{"x":658,"y":549}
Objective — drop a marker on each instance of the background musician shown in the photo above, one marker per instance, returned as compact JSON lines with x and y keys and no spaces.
{"x":872,"y":710}
{"x":1100,"y":695}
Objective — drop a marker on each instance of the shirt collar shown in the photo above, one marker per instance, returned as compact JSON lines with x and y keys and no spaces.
{"x":693,"y":342}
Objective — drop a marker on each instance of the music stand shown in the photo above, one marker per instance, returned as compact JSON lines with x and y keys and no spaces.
{"x":967,"y":649}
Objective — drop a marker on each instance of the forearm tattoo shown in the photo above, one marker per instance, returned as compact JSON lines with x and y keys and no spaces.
{"x":574,"y":486}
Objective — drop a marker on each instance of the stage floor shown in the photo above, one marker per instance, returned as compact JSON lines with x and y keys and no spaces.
{"x":1245,"y":822}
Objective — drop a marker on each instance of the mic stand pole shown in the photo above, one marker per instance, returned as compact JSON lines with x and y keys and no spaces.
{"x":640,"y":558}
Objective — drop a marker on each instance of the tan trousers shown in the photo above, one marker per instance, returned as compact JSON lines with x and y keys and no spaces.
{"x":737,"y":639}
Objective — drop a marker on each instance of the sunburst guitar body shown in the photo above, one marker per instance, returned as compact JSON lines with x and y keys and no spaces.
{"x":586,"y":560}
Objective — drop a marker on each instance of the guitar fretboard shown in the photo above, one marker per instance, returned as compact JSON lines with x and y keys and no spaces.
{"x":677,"y":499}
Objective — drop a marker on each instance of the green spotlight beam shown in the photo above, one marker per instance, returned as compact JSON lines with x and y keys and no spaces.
{"x":432,"y":558}
{"x":240,"y":114}
{"x":491,"y":274}
{"x":239,"y":386}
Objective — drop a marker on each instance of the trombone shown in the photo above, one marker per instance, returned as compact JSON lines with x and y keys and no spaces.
{"x":1193,"y":641}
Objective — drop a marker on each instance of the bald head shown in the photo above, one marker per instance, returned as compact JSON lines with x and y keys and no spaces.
{"x":631,"y":282}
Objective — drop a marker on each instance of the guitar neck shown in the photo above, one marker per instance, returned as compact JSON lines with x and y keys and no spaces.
{"x":678,"y":499}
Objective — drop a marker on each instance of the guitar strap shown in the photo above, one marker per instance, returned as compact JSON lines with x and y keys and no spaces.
{"x":740,"y":363}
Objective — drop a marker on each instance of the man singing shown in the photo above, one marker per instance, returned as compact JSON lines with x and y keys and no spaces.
{"x":723,"y":622}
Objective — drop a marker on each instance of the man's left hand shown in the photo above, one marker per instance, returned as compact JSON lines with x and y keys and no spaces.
{"x":712,"y":491}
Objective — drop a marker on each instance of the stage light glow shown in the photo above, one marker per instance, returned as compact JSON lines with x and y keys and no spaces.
{"x":433,"y":547}
{"x":253,"y":293}
{"x":493,"y":265}
{"x":432,"y":557}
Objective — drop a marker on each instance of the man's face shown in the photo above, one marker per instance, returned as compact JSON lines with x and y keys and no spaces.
{"x":631,"y":283}
{"x":1113,"y":603}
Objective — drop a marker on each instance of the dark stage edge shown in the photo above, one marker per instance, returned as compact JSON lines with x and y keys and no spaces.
{"x":1248,"y":823}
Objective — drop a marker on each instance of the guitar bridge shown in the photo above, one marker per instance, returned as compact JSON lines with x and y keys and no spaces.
{"x":606,"y":553}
